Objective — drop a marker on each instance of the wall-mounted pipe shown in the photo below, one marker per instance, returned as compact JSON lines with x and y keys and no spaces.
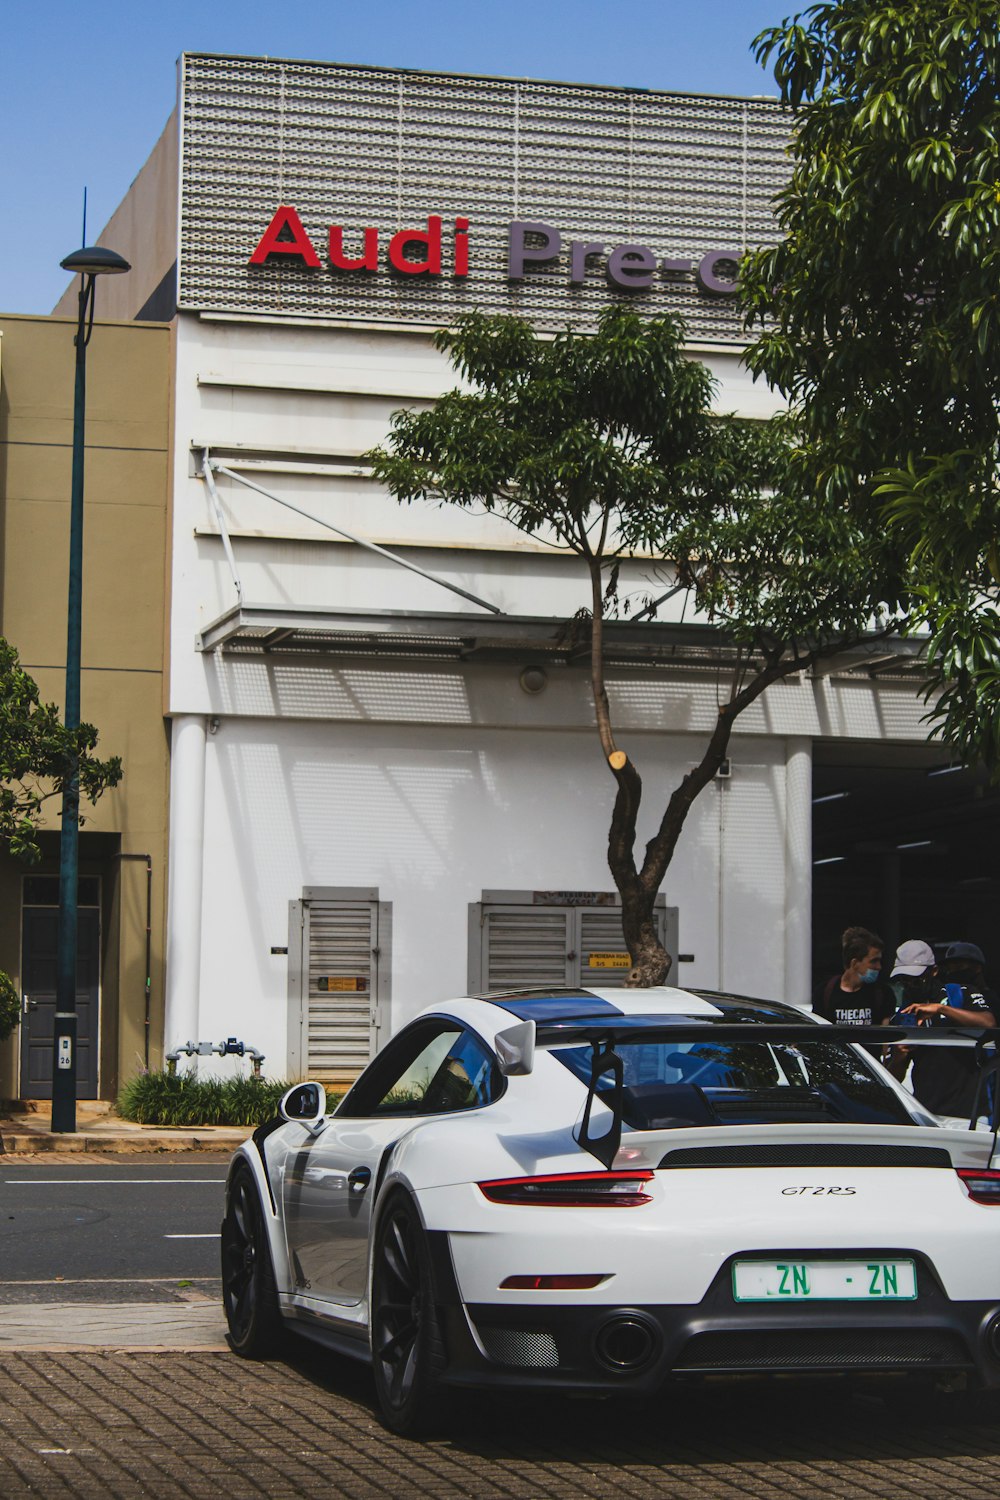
{"x":148,"y":988}
{"x":231,"y":1047}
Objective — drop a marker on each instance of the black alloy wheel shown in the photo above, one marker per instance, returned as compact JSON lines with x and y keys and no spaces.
{"x":249,"y":1294}
{"x":407,"y":1348}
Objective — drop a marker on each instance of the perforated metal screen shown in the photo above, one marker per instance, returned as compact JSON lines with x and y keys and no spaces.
{"x":360,"y":147}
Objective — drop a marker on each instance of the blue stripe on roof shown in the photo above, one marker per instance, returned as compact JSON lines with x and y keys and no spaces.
{"x":556,"y":1007}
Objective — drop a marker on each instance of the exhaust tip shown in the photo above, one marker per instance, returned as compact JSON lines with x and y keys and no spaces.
{"x":627,"y":1343}
{"x":991,"y":1334}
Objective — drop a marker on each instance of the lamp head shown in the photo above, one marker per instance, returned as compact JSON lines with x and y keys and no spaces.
{"x":95,"y":260}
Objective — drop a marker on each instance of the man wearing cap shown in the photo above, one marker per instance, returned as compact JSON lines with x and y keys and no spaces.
{"x":965,"y":964}
{"x":945,"y":1079}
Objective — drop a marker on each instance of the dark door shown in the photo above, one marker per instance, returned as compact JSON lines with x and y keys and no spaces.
{"x":38,"y":998}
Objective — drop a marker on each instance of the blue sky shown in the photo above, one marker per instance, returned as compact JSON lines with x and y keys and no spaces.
{"x":84,"y":99}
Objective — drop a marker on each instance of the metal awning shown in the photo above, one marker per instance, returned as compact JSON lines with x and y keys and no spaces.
{"x":644,"y":643}
{"x":265,"y":630}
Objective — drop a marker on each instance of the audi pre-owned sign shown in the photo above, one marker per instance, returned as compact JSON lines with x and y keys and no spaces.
{"x":417,"y":252}
{"x":321,"y":191}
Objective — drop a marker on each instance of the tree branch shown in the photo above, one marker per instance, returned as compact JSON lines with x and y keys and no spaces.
{"x":660,"y":849}
{"x":602,"y":709}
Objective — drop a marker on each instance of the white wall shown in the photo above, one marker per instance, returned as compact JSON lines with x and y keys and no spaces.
{"x":435,"y":781}
{"x":298,"y":394}
{"x":432,"y":817}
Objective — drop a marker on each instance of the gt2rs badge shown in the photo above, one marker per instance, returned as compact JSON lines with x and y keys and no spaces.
{"x":817,"y":1192}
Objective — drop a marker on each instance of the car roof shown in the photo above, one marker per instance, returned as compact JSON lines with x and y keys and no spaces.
{"x":495,"y":1011}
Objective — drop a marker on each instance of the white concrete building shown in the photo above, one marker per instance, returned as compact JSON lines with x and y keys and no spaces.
{"x":361,"y":772}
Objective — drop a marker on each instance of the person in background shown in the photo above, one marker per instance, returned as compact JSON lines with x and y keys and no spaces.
{"x":857,"y":996}
{"x":964,"y":964}
{"x":944,"y":1079}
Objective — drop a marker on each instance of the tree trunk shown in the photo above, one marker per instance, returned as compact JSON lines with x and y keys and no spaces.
{"x":638,"y":887}
{"x":650,"y":960}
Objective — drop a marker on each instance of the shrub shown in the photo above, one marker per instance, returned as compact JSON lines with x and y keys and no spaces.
{"x":10,"y":1006}
{"x":180,"y":1099}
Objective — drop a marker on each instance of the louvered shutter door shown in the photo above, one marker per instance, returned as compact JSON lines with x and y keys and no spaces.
{"x":524,"y":946}
{"x":340,"y":936}
{"x":601,"y":933}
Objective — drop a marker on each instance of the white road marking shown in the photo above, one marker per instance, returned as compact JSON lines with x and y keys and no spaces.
{"x":192,"y":1236}
{"x":82,"y":1181}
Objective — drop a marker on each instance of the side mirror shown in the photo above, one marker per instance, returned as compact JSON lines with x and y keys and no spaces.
{"x":516,"y":1049}
{"x":305,"y":1104}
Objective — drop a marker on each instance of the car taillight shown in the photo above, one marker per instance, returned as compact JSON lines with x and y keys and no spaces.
{"x":551,"y":1283}
{"x":572,"y":1189}
{"x":982,"y":1183}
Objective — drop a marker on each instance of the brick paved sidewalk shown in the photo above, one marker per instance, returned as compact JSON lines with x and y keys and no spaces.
{"x":205,"y":1425}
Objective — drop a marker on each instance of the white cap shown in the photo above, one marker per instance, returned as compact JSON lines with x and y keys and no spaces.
{"x":913,"y":958}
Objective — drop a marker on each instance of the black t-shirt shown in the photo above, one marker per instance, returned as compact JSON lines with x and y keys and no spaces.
{"x":945,"y":1078}
{"x":869,"y":1006}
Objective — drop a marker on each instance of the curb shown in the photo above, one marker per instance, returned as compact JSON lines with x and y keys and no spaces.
{"x":117,"y":1327}
{"x":22,"y":1142}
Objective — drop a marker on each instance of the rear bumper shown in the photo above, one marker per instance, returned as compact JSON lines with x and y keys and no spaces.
{"x":605,"y":1349}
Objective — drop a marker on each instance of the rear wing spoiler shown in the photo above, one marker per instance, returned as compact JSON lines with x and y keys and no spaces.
{"x":516,"y":1047}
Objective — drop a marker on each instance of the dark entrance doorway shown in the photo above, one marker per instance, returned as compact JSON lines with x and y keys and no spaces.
{"x":39,"y":922}
{"x":904,"y":842}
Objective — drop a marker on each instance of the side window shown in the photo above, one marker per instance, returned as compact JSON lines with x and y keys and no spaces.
{"x":467,"y":1078}
{"x":407,"y":1094}
{"x":434,"y":1067}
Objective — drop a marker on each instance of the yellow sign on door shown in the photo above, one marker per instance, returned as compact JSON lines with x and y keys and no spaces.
{"x":331,"y":983}
{"x":610,"y":961}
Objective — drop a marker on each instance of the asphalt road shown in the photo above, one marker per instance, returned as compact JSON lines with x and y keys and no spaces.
{"x":132,"y":1228}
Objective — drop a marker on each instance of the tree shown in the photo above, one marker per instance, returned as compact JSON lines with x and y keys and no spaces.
{"x":879,"y":309}
{"x":606,"y":444}
{"x":37,"y":753}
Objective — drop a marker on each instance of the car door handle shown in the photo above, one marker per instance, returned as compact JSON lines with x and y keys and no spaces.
{"x":359,"y":1179}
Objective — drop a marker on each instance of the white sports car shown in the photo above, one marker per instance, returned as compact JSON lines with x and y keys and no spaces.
{"x":599,"y":1191}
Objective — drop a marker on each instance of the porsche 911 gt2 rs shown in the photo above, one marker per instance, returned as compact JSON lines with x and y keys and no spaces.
{"x":601,"y":1191}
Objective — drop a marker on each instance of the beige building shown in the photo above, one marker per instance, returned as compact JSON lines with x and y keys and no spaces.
{"x":123,"y":840}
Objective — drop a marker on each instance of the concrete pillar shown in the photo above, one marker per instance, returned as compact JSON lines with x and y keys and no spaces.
{"x":798,"y":870}
{"x":184,"y":890}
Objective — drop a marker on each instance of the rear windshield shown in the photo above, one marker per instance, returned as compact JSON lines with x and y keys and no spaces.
{"x":669,"y":1085}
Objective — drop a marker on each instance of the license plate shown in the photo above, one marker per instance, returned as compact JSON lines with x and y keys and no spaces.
{"x":824,"y":1280}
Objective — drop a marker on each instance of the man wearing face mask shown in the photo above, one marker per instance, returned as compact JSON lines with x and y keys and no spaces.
{"x":857,"y":996}
{"x":944,"y":1079}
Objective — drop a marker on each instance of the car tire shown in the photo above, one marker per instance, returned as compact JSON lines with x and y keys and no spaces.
{"x":408,"y":1352}
{"x":249,"y":1293}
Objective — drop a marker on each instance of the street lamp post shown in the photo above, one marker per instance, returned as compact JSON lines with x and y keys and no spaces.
{"x":89,"y":263}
